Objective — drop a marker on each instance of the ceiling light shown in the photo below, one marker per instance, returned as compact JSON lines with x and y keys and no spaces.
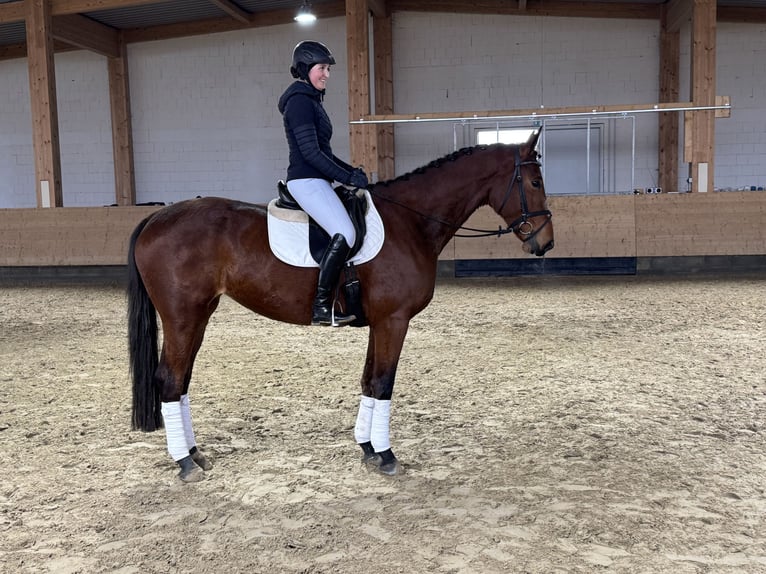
{"x":305,"y":15}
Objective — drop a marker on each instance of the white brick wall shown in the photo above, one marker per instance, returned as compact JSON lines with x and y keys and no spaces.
{"x":204,"y":108}
{"x":17,"y":170}
{"x":447,"y":62}
{"x":740,"y":145}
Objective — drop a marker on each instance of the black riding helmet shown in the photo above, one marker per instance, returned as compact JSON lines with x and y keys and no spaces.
{"x":306,"y":54}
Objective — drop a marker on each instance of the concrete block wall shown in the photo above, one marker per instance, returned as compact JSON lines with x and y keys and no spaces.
{"x":740,"y":145}
{"x":204,"y":108}
{"x":17,"y":170}
{"x":452,"y":62}
{"x":205,"y":117}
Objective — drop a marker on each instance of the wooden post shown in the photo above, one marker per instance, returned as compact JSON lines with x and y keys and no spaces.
{"x":670,"y":56}
{"x":42,"y":93}
{"x":384,"y":93}
{"x":363,"y":139}
{"x":702,"y":129}
{"x":122,"y":134}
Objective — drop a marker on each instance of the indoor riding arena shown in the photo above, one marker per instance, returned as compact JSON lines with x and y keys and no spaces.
{"x":599,"y":408}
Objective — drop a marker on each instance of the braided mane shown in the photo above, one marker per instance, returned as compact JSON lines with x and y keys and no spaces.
{"x":435,"y":163}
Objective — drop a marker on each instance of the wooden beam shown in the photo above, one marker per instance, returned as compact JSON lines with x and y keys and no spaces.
{"x":703,"y":84}
{"x":13,"y":51}
{"x":42,"y":90}
{"x":61,"y":7}
{"x":742,"y":14}
{"x":723,"y":101}
{"x":12,"y":12}
{"x":562,"y":8}
{"x":86,"y":34}
{"x":212,"y":26}
{"x":122,"y":131}
{"x":676,"y":13}
{"x":378,"y":8}
{"x":363,"y":139}
{"x":384,"y":93}
{"x":670,"y":64}
{"x":232,"y":10}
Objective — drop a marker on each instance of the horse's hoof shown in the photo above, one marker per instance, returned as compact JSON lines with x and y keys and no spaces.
{"x":372,"y":460}
{"x":201,"y":460}
{"x":190,"y":472}
{"x":391,"y":468}
{"x":384,"y":462}
{"x":194,"y":475}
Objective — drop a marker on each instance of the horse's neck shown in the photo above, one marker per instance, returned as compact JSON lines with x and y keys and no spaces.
{"x":441,"y":205}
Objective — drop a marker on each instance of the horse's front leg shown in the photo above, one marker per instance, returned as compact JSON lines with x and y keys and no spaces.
{"x":373,"y":420}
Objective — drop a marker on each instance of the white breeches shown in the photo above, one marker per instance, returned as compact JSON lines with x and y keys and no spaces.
{"x":319,"y":200}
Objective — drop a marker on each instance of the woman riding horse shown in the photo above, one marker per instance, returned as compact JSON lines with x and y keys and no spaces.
{"x":313,"y":168}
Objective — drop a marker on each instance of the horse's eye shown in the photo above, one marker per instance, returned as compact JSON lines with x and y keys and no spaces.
{"x":536,"y":183}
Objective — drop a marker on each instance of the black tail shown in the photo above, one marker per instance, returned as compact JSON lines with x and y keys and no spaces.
{"x":142,"y":343}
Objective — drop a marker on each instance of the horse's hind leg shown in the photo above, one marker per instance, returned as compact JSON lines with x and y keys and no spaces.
{"x":197,"y":455}
{"x":179,"y":349}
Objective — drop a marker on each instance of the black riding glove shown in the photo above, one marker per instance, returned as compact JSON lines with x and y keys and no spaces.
{"x":358,"y":178}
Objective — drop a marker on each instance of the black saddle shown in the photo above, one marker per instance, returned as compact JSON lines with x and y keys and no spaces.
{"x":319,"y":239}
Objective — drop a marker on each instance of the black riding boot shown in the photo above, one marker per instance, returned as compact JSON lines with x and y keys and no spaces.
{"x":329,"y":270}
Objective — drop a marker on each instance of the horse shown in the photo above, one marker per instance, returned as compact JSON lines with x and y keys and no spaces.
{"x":185,"y":256}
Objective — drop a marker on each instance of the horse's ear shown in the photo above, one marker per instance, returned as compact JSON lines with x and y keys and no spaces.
{"x":532,"y":141}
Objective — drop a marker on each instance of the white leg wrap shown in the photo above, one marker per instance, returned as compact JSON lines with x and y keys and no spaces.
{"x":381,"y":417}
{"x":186,"y":418}
{"x":174,"y":430}
{"x":364,"y":420}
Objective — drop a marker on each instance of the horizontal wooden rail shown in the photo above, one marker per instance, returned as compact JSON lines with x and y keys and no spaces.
{"x":722,"y":109}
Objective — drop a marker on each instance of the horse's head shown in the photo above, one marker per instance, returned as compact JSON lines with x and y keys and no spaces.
{"x":520,"y":198}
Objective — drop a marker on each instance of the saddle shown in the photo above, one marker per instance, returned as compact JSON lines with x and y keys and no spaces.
{"x":319,"y":239}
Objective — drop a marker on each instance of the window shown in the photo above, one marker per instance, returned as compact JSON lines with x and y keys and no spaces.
{"x":503,"y":135}
{"x":572,"y":152}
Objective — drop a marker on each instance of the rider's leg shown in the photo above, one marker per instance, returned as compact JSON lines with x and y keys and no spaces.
{"x":318,"y":199}
{"x":332,"y":262}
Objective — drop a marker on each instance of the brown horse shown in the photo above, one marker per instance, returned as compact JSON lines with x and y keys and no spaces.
{"x":185,"y":256}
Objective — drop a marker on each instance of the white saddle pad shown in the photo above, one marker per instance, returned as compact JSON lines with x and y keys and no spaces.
{"x":289,"y":235}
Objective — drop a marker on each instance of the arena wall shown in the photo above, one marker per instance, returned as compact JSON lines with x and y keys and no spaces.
{"x":205,"y":122}
{"x":618,"y":234}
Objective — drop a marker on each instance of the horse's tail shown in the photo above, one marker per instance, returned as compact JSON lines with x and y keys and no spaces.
{"x":142,"y":345}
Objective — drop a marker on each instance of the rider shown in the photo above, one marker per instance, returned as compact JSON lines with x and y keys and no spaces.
{"x":313,"y":168}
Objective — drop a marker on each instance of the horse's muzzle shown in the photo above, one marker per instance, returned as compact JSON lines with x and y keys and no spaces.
{"x":533,"y":247}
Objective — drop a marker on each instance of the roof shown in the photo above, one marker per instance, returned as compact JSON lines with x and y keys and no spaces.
{"x":141,"y":20}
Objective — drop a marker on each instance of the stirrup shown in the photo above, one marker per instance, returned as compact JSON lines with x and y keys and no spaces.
{"x":320,"y":319}
{"x":341,"y":321}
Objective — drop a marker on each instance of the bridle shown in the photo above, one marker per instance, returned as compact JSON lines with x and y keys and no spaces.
{"x":520,"y":225}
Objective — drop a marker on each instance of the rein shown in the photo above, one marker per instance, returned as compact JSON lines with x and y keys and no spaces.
{"x":521,"y":224}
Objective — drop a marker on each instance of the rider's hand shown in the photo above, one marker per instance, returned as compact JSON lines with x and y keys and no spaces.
{"x":358,"y":178}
